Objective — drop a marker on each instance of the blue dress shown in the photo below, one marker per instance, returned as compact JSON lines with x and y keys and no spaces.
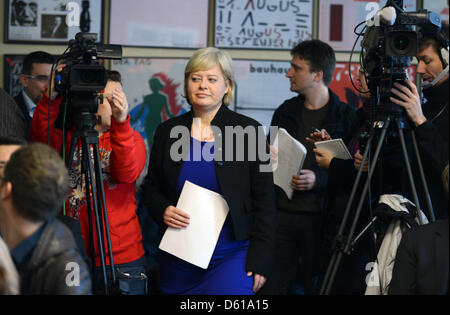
{"x":226,"y":274}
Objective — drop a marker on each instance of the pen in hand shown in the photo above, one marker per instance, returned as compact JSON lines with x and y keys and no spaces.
{"x":314,"y":129}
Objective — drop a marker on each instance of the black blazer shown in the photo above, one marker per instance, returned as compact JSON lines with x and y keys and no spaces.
{"x":422,"y":263}
{"x":248,"y":192}
{"x":12,"y":122}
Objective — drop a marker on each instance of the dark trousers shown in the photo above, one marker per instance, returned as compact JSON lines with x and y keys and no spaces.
{"x":296,"y":251}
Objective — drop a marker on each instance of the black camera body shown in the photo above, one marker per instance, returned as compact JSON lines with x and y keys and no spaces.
{"x":389,"y":46}
{"x":84,"y":76}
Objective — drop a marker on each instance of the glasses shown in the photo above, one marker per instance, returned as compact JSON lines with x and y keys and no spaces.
{"x":41,"y":78}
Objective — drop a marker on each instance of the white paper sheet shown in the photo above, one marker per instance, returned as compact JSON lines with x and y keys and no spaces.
{"x":196,"y":242}
{"x":335,"y":147}
{"x":291,"y":155}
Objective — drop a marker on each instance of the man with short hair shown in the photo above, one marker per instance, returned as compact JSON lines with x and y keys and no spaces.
{"x":34,"y":79}
{"x":33,"y":186}
{"x":316,"y":106}
{"x":430,"y":119}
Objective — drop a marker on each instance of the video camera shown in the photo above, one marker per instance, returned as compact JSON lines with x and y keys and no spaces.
{"x":84,"y":77}
{"x":388,"y":47}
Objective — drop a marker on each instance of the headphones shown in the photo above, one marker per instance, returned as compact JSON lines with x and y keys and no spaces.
{"x":443,"y":43}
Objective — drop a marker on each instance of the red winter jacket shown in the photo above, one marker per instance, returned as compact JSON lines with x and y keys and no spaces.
{"x":122,"y":154}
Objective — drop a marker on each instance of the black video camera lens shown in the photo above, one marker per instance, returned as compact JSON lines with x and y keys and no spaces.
{"x":401,"y":42}
{"x":89,"y":76}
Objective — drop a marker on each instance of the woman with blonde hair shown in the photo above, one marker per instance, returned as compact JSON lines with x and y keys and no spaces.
{"x":243,"y":253}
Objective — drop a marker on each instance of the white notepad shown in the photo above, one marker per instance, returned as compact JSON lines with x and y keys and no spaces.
{"x":291,"y":155}
{"x":336,"y":147}
{"x":196,"y":242}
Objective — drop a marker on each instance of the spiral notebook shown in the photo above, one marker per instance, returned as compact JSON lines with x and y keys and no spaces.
{"x":336,"y":147}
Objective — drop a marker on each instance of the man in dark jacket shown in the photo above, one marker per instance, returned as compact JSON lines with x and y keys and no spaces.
{"x":33,"y":186}
{"x":12,"y":122}
{"x":316,"y":106}
{"x":34,"y":79}
{"x":431,"y":118}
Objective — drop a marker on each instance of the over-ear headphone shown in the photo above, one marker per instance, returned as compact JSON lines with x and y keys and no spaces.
{"x":442,"y":39}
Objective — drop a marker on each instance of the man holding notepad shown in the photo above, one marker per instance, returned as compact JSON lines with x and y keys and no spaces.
{"x":316,"y":106}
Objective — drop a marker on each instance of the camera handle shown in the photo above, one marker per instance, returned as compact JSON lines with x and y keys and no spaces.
{"x":344,"y":244}
{"x":94,"y":188}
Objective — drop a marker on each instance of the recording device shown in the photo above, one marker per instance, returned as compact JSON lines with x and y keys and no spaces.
{"x":80,"y":83}
{"x":84,"y":77}
{"x":389,"y":45}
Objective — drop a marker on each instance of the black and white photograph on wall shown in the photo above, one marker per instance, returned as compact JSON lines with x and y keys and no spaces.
{"x":54,"y":26}
{"x":24,"y":13}
{"x":51,"y":21}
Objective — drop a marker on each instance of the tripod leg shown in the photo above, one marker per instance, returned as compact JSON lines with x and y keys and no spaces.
{"x":87,"y":156}
{"x":73,"y":145}
{"x":337,"y":260}
{"x":422,"y":176}
{"x":102,"y":206}
{"x":408,"y":170}
{"x":339,"y":238}
{"x":85,"y":172}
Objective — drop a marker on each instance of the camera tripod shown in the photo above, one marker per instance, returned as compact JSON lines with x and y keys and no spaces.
{"x":95,"y":195}
{"x":344,"y":245}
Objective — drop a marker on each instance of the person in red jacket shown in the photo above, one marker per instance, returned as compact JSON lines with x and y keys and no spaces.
{"x":123,"y":155}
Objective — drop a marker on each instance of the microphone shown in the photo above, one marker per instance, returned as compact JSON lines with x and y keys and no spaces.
{"x":387,"y":15}
{"x":427,"y":84}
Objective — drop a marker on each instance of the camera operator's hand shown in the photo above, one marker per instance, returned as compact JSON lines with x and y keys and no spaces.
{"x":409,"y":99}
{"x":59,"y":68}
{"x":119,"y":104}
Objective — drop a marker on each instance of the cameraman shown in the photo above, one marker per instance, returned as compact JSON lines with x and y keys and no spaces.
{"x":123,"y":155}
{"x":431,"y":119}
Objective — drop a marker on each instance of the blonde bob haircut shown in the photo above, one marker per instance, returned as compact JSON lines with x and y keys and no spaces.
{"x":206,"y":58}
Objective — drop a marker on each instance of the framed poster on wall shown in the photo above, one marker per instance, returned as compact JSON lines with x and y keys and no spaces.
{"x":155,"y":23}
{"x":338,"y":19}
{"x":51,"y":21}
{"x":342,"y":86}
{"x":269,"y":24}
{"x":154,"y":89}
{"x":12,"y":68}
{"x":261,"y":86}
